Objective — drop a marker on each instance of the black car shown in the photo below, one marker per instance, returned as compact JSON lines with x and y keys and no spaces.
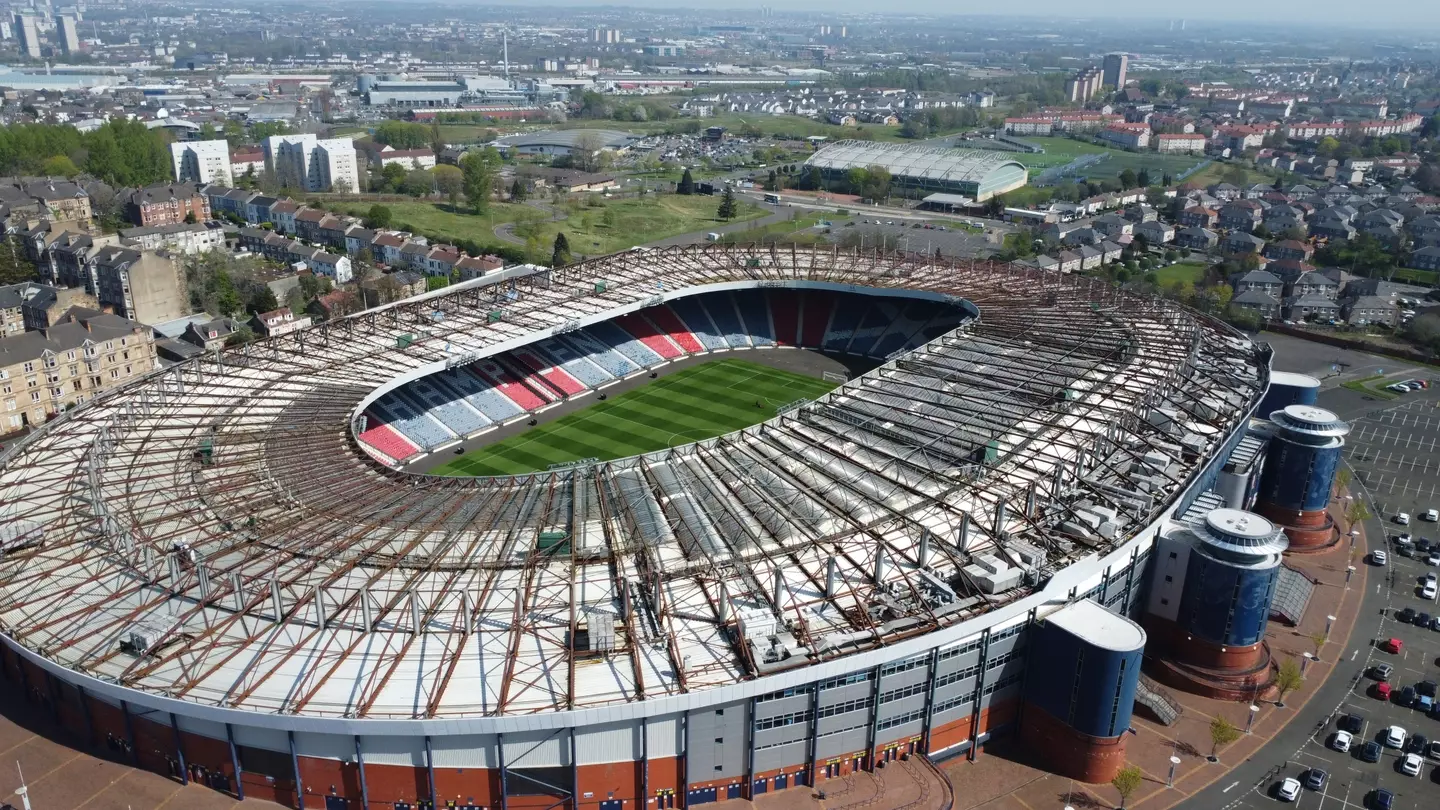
{"x":1353,"y":723}
{"x":1422,"y":619}
{"x":1315,"y":779}
{"x":1405,"y":616}
{"x":1423,"y":544}
{"x":1370,"y":751}
{"x":1382,"y":799}
{"x":1426,"y":688}
{"x":1417,"y":744}
{"x":1406,"y":697}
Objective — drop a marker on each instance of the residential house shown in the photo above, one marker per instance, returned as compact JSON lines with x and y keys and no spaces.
{"x":257,"y":209}
{"x":411,"y":159}
{"x":1241,"y":215}
{"x":211,"y":335}
{"x":1370,"y":309}
{"x":29,"y":305}
{"x":1311,"y":307}
{"x":1241,"y":242}
{"x":1069,"y":262}
{"x":1196,"y":238}
{"x":307,"y":224}
{"x":331,"y":231}
{"x":1090,"y":257}
{"x":283,"y":214}
{"x":386,"y":247}
{"x":60,"y":200}
{"x":1259,"y":281}
{"x":1140,"y":212}
{"x":396,"y":286}
{"x":277,"y":322}
{"x":336,"y":268}
{"x":167,"y":204}
{"x":358,"y":238}
{"x":441,"y":260}
{"x":1110,"y":251}
{"x":472,"y":267}
{"x":1310,"y":284}
{"x":1426,"y":258}
{"x":335,"y":304}
{"x":1332,"y":225}
{"x":1112,"y":226}
{"x":83,"y":353}
{"x":1155,"y":232}
{"x":186,"y":238}
{"x":1288,"y":249}
{"x":414,"y":254}
{"x":1198,"y":216}
{"x":1265,"y":304}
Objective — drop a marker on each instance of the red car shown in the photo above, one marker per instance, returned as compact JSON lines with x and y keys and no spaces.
{"x":1392,"y":645}
{"x":1382,"y":690}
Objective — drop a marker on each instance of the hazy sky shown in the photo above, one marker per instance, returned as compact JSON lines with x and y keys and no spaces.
{"x":1421,"y":18}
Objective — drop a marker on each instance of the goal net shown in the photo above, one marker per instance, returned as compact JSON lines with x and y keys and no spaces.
{"x":835,"y":376}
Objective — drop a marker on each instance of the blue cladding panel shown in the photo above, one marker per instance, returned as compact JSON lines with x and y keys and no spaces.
{"x":1090,"y":689}
{"x":1225,"y":604}
{"x":1279,"y":395}
{"x":1298,"y":477}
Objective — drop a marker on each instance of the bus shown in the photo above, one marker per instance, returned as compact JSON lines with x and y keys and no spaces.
{"x":772,"y":199}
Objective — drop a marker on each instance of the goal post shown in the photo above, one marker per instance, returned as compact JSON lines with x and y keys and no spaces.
{"x":835,"y":377}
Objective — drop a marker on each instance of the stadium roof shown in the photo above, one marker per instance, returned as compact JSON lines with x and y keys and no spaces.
{"x":935,"y":164}
{"x":214,"y":534}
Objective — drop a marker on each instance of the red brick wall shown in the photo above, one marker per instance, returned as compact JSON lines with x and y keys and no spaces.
{"x":608,"y":781}
{"x":1069,"y":753}
{"x":330,"y":777}
{"x":1178,"y":645}
{"x":398,"y":783}
{"x":462,"y":785}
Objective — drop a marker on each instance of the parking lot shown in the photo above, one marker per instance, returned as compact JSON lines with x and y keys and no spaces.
{"x":1394,"y":451}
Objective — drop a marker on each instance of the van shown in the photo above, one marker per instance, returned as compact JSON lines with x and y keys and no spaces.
{"x":712,"y":237}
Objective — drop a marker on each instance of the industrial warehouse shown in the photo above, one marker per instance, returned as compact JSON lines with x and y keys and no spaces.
{"x":977,"y":174}
{"x":224,"y":571}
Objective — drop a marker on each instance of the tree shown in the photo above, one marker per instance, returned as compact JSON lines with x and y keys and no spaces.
{"x":727,"y":209}
{"x":1287,"y":680}
{"x":518,"y":192}
{"x":686,"y":184}
{"x":59,"y":166}
{"x":403,"y":135}
{"x":1142,"y":179}
{"x":1128,"y":179}
{"x":1342,"y":479}
{"x":1126,"y":782}
{"x":262,"y":299}
{"x":190,"y":218}
{"x":1318,"y":639}
{"x":450,"y":181}
{"x":560,"y":254}
{"x":227,"y":298}
{"x":379,"y":216}
{"x":1222,"y":733}
{"x":585,"y":151}
{"x":478,"y":170}
{"x":1357,"y":512}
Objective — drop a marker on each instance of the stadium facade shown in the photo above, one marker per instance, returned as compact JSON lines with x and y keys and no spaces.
{"x":978,"y":174}
{"x":212,"y":574}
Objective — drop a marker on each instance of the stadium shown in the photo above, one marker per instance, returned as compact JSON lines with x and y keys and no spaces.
{"x":336,"y":569}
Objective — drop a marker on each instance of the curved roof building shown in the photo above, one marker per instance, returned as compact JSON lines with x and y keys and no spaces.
{"x":976,"y":173}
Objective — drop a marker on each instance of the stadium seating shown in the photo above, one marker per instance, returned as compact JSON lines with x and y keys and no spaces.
{"x":586,"y":345}
{"x":849,"y":310}
{"x":815,"y":317}
{"x":646,"y":333}
{"x":727,"y":320}
{"x":388,"y":440}
{"x":518,"y":392}
{"x":556,"y":377}
{"x":584,"y":368}
{"x":690,"y":311}
{"x":452,"y":411}
{"x":785,"y":310}
{"x":478,"y":392}
{"x":463,"y":401}
{"x":666,"y":322}
{"x":755,"y":311}
{"x":621,"y":341}
{"x":420,"y":428}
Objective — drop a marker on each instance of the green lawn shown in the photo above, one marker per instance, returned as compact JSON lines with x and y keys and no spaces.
{"x":1062,"y":151}
{"x":1058,"y":151}
{"x":605,"y":227}
{"x":1215,"y":172}
{"x":1186,"y":272}
{"x":698,"y":403}
{"x":1416,"y":276}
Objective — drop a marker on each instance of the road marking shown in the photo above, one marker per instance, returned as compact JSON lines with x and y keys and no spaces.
{"x":1231,"y":785}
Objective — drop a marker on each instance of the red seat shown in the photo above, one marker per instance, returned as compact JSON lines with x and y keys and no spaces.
{"x":670,"y":323}
{"x":554,"y":375}
{"x":389,"y":442}
{"x":491,"y":372}
{"x":646,"y":333}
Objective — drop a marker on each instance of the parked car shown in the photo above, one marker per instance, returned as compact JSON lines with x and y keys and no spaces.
{"x":1426,"y":688}
{"x":1392,"y":645}
{"x":1382,"y":690}
{"x":1382,"y":671}
{"x":1428,"y":591}
{"x":1423,"y":545}
{"x":1370,"y":751}
{"x":1315,"y":779}
{"x":1341,"y":741}
{"x":1379,"y":557}
{"x":1394,"y":737}
{"x":1382,"y":799}
{"x":1403,"y":518}
{"x":1425,"y":703}
{"x":1406,"y":616}
{"x":1433,"y":559}
{"x":1432,"y":515}
{"x":1352,"y":723}
{"x":1434,"y":751}
{"x":1422,"y":619}
{"x":1411,"y":764}
{"x":1406,"y":697}
{"x":1417,"y":744}
{"x":1288,"y":790}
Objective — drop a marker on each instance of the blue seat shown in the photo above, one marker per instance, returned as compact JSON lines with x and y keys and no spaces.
{"x":446,"y":407}
{"x":601,"y":354}
{"x":849,"y":309}
{"x":697,"y":320}
{"x":480,"y":393}
{"x":415,"y":425}
{"x":877,"y":321}
{"x":576,"y":365}
{"x":722,"y":312}
{"x":623,"y":342}
{"x":755,"y":311}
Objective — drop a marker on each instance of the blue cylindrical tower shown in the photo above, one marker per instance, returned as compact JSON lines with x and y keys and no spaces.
{"x":1299,"y":473}
{"x":1288,"y":388}
{"x":1082,"y":670}
{"x":1231,"y":578}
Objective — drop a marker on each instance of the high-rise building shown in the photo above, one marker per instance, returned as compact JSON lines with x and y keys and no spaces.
{"x":1115,"y":65}
{"x":305,"y":162}
{"x":28,"y":31}
{"x":202,"y":162}
{"x":69,"y":34}
{"x":605,"y":36}
{"x":1084,"y":84}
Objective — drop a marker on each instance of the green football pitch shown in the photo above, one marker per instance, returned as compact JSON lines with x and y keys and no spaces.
{"x":689,"y":406}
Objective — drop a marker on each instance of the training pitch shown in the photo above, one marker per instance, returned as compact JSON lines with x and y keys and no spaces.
{"x":688,"y":406}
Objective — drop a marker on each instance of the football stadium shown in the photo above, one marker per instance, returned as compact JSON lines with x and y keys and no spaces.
{"x":658,"y":529}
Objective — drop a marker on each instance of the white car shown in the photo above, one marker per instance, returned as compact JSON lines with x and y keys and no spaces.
{"x":1379,"y":557}
{"x":1432,"y":515}
{"x":1342,"y":741}
{"x":1403,"y":518}
{"x":1289,"y":790}
{"x":1411,"y":764}
{"x":1430,"y":579}
{"x":1434,"y":559}
{"x":1428,"y":591}
{"x":1394,"y":737}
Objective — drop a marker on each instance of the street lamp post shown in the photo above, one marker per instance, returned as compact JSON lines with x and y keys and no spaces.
{"x":1174,"y":762}
{"x":1250,"y":721}
{"x":1349,"y":572}
{"x":1354,"y":533}
{"x":1329,"y":620}
{"x":1305,"y":663}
